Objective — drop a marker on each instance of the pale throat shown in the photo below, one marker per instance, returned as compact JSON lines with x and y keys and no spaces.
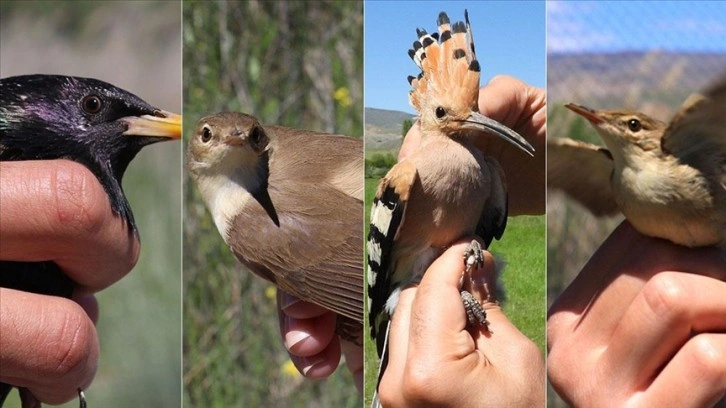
{"x":227,"y":193}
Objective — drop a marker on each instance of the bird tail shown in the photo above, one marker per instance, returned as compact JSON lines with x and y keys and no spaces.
{"x":449,"y":68}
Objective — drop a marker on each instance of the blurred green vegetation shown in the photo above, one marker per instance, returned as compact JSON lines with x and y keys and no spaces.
{"x":134,"y":45}
{"x":296,"y":64}
{"x":523,"y":249}
{"x":378,"y":164}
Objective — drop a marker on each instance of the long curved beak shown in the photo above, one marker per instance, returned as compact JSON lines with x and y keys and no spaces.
{"x":477,"y":121}
{"x":586,"y":113}
{"x":161,"y":124}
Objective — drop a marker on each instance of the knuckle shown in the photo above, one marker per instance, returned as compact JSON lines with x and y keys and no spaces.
{"x":558,"y":367}
{"x":708,"y":357}
{"x":420,"y":384}
{"x":79,"y":198}
{"x":71,"y":339}
{"x":666,"y":295}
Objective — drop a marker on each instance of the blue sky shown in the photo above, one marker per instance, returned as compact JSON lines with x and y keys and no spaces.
{"x":611,"y":26}
{"x":509,"y":39}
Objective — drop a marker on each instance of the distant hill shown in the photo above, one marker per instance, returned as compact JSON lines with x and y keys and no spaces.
{"x":383,"y":128}
{"x":631,"y":77}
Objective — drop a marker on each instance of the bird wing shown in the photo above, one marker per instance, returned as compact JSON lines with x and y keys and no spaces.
{"x":341,"y":166}
{"x":583,"y":171}
{"x":697,"y":136}
{"x":387,"y":216}
{"x":316,"y":253}
{"x":493,"y":218}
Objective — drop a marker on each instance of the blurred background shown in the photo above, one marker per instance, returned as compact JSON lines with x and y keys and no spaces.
{"x":135,"y":46}
{"x":612,"y":55}
{"x":296,"y":64}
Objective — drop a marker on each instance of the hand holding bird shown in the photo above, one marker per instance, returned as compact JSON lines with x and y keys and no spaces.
{"x":46,"y":223}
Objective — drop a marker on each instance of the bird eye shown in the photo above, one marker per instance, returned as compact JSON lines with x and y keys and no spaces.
{"x":440,"y":112}
{"x":91,"y":104}
{"x":256,"y":136}
{"x":634,"y":125}
{"x":206,"y":134}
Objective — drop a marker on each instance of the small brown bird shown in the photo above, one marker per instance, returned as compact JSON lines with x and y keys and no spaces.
{"x":669,"y":180}
{"x":443,"y":191}
{"x":289,"y":203}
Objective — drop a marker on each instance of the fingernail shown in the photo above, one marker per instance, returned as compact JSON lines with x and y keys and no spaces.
{"x":292,"y":336}
{"x":308,"y":363}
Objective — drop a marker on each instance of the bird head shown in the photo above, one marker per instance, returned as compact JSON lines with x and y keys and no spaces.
{"x":45,"y":117}
{"x":231,"y":147}
{"x":446,"y":92}
{"x":624,"y":132}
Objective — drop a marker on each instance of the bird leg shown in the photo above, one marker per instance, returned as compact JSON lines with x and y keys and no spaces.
{"x":473,"y":258}
{"x":81,"y":399}
{"x":28,"y":400}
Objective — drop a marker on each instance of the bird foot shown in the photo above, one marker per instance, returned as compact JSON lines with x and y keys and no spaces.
{"x":81,"y":399}
{"x":475,"y":313}
{"x":473,"y":257}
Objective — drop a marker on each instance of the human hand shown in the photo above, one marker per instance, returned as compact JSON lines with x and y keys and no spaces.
{"x":436,"y":361}
{"x":308,"y":331}
{"x":57,"y":210}
{"x":643,"y":324}
{"x":524,"y":109}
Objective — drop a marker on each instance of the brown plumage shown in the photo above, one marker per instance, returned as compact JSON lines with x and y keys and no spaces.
{"x":289,"y":203}
{"x":669,"y":180}
{"x":444,"y":190}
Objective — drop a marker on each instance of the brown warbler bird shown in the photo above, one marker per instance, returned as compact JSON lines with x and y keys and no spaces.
{"x":669,"y":180}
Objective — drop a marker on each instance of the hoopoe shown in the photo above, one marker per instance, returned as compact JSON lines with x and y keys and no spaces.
{"x":289,"y":204}
{"x":443,"y":191}
{"x":669,"y":180}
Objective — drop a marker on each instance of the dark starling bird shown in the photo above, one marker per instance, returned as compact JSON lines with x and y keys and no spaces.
{"x":46,"y":117}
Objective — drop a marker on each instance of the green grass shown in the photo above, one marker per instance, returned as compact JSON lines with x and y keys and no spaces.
{"x":523,"y":248}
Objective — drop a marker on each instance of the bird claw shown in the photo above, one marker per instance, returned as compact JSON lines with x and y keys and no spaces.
{"x":475,"y":313}
{"x":81,"y":399}
{"x":473,"y":256}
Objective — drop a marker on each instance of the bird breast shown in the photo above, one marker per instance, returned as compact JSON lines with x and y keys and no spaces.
{"x":654,"y":198}
{"x":453,"y":185}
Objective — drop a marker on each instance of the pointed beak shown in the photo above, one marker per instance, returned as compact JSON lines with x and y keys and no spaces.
{"x":235,"y":139}
{"x":477,"y":121}
{"x":161,"y":124}
{"x":586,"y":113}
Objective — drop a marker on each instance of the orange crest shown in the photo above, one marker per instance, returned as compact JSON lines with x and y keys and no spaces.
{"x":449,"y":68}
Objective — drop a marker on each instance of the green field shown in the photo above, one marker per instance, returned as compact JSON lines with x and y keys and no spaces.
{"x":523,"y":248}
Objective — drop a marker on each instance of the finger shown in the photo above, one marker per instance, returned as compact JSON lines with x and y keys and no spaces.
{"x":71,"y":223}
{"x":308,"y":337}
{"x":48,"y":345}
{"x":296,"y":308}
{"x":505,"y":99}
{"x":438,"y":318}
{"x":354,"y":360}
{"x":695,"y":377}
{"x":522,"y":108}
{"x":596,"y":300}
{"x":661,"y":318}
{"x":321,"y":365}
{"x":398,"y":339}
{"x":411,"y":142}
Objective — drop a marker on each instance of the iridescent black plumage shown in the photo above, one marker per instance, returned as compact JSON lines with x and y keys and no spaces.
{"x":45,"y":117}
